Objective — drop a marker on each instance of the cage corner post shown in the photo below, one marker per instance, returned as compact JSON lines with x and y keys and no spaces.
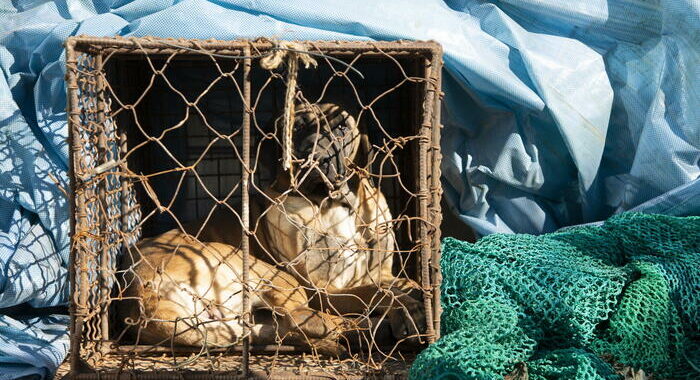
{"x":76,"y":269}
{"x":425,"y":220}
{"x":435,"y":90}
{"x":430,"y":190}
{"x":103,"y":157}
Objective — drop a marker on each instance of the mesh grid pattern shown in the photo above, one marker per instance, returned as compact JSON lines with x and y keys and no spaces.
{"x":559,"y":302}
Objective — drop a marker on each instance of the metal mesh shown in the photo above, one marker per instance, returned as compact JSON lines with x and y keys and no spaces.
{"x":193,"y":248}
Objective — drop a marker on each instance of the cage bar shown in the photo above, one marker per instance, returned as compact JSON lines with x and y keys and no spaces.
{"x":245,"y":212}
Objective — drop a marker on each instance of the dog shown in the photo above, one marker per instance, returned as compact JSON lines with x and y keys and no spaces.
{"x":321,"y":256}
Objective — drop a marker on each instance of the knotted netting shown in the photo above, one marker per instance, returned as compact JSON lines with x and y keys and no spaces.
{"x":552,"y":306}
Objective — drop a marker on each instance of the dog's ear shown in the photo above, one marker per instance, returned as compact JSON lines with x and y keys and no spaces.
{"x":362,"y":151}
{"x":362,"y":158}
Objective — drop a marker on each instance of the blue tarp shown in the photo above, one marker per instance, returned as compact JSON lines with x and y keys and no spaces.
{"x":555,"y":112}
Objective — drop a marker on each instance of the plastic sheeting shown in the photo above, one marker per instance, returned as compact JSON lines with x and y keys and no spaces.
{"x":555,"y":113}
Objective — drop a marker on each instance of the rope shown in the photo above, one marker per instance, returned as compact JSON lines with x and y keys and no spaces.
{"x":292,"y":52}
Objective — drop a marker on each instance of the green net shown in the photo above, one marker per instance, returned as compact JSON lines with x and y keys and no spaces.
{"x":555,"y":304}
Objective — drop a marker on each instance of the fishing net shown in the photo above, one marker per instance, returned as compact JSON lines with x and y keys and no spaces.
{"x":551,"y":306}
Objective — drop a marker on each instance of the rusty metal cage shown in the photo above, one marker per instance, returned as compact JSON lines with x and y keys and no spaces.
{"x":165,"y":134}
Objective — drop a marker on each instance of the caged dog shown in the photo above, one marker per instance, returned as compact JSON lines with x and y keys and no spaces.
{"x":321,"y":253}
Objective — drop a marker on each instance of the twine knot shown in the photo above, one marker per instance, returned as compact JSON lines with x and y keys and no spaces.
{"x":293,"y":51}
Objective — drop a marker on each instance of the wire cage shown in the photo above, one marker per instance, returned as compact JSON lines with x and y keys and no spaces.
{"x":253,"y":208}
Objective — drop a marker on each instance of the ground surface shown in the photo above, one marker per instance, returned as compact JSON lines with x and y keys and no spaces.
{"x":297,"y":364}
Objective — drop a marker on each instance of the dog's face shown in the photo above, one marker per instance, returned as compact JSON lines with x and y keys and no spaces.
{"x":326,"y":138}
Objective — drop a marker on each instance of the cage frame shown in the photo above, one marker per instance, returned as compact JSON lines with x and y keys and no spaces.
{"x":428,"y":174}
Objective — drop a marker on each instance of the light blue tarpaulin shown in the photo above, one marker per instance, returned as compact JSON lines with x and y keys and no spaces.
{"x":555,"y":113}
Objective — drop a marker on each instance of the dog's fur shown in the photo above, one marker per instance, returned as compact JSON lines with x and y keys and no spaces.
{"x":314,"y":257}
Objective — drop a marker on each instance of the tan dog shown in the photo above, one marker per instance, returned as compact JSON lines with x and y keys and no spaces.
{"x":315,"y":258}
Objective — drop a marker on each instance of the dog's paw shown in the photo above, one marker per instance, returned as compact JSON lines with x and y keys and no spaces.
{"x":328,"y":347}
{"x":408,"y":321}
